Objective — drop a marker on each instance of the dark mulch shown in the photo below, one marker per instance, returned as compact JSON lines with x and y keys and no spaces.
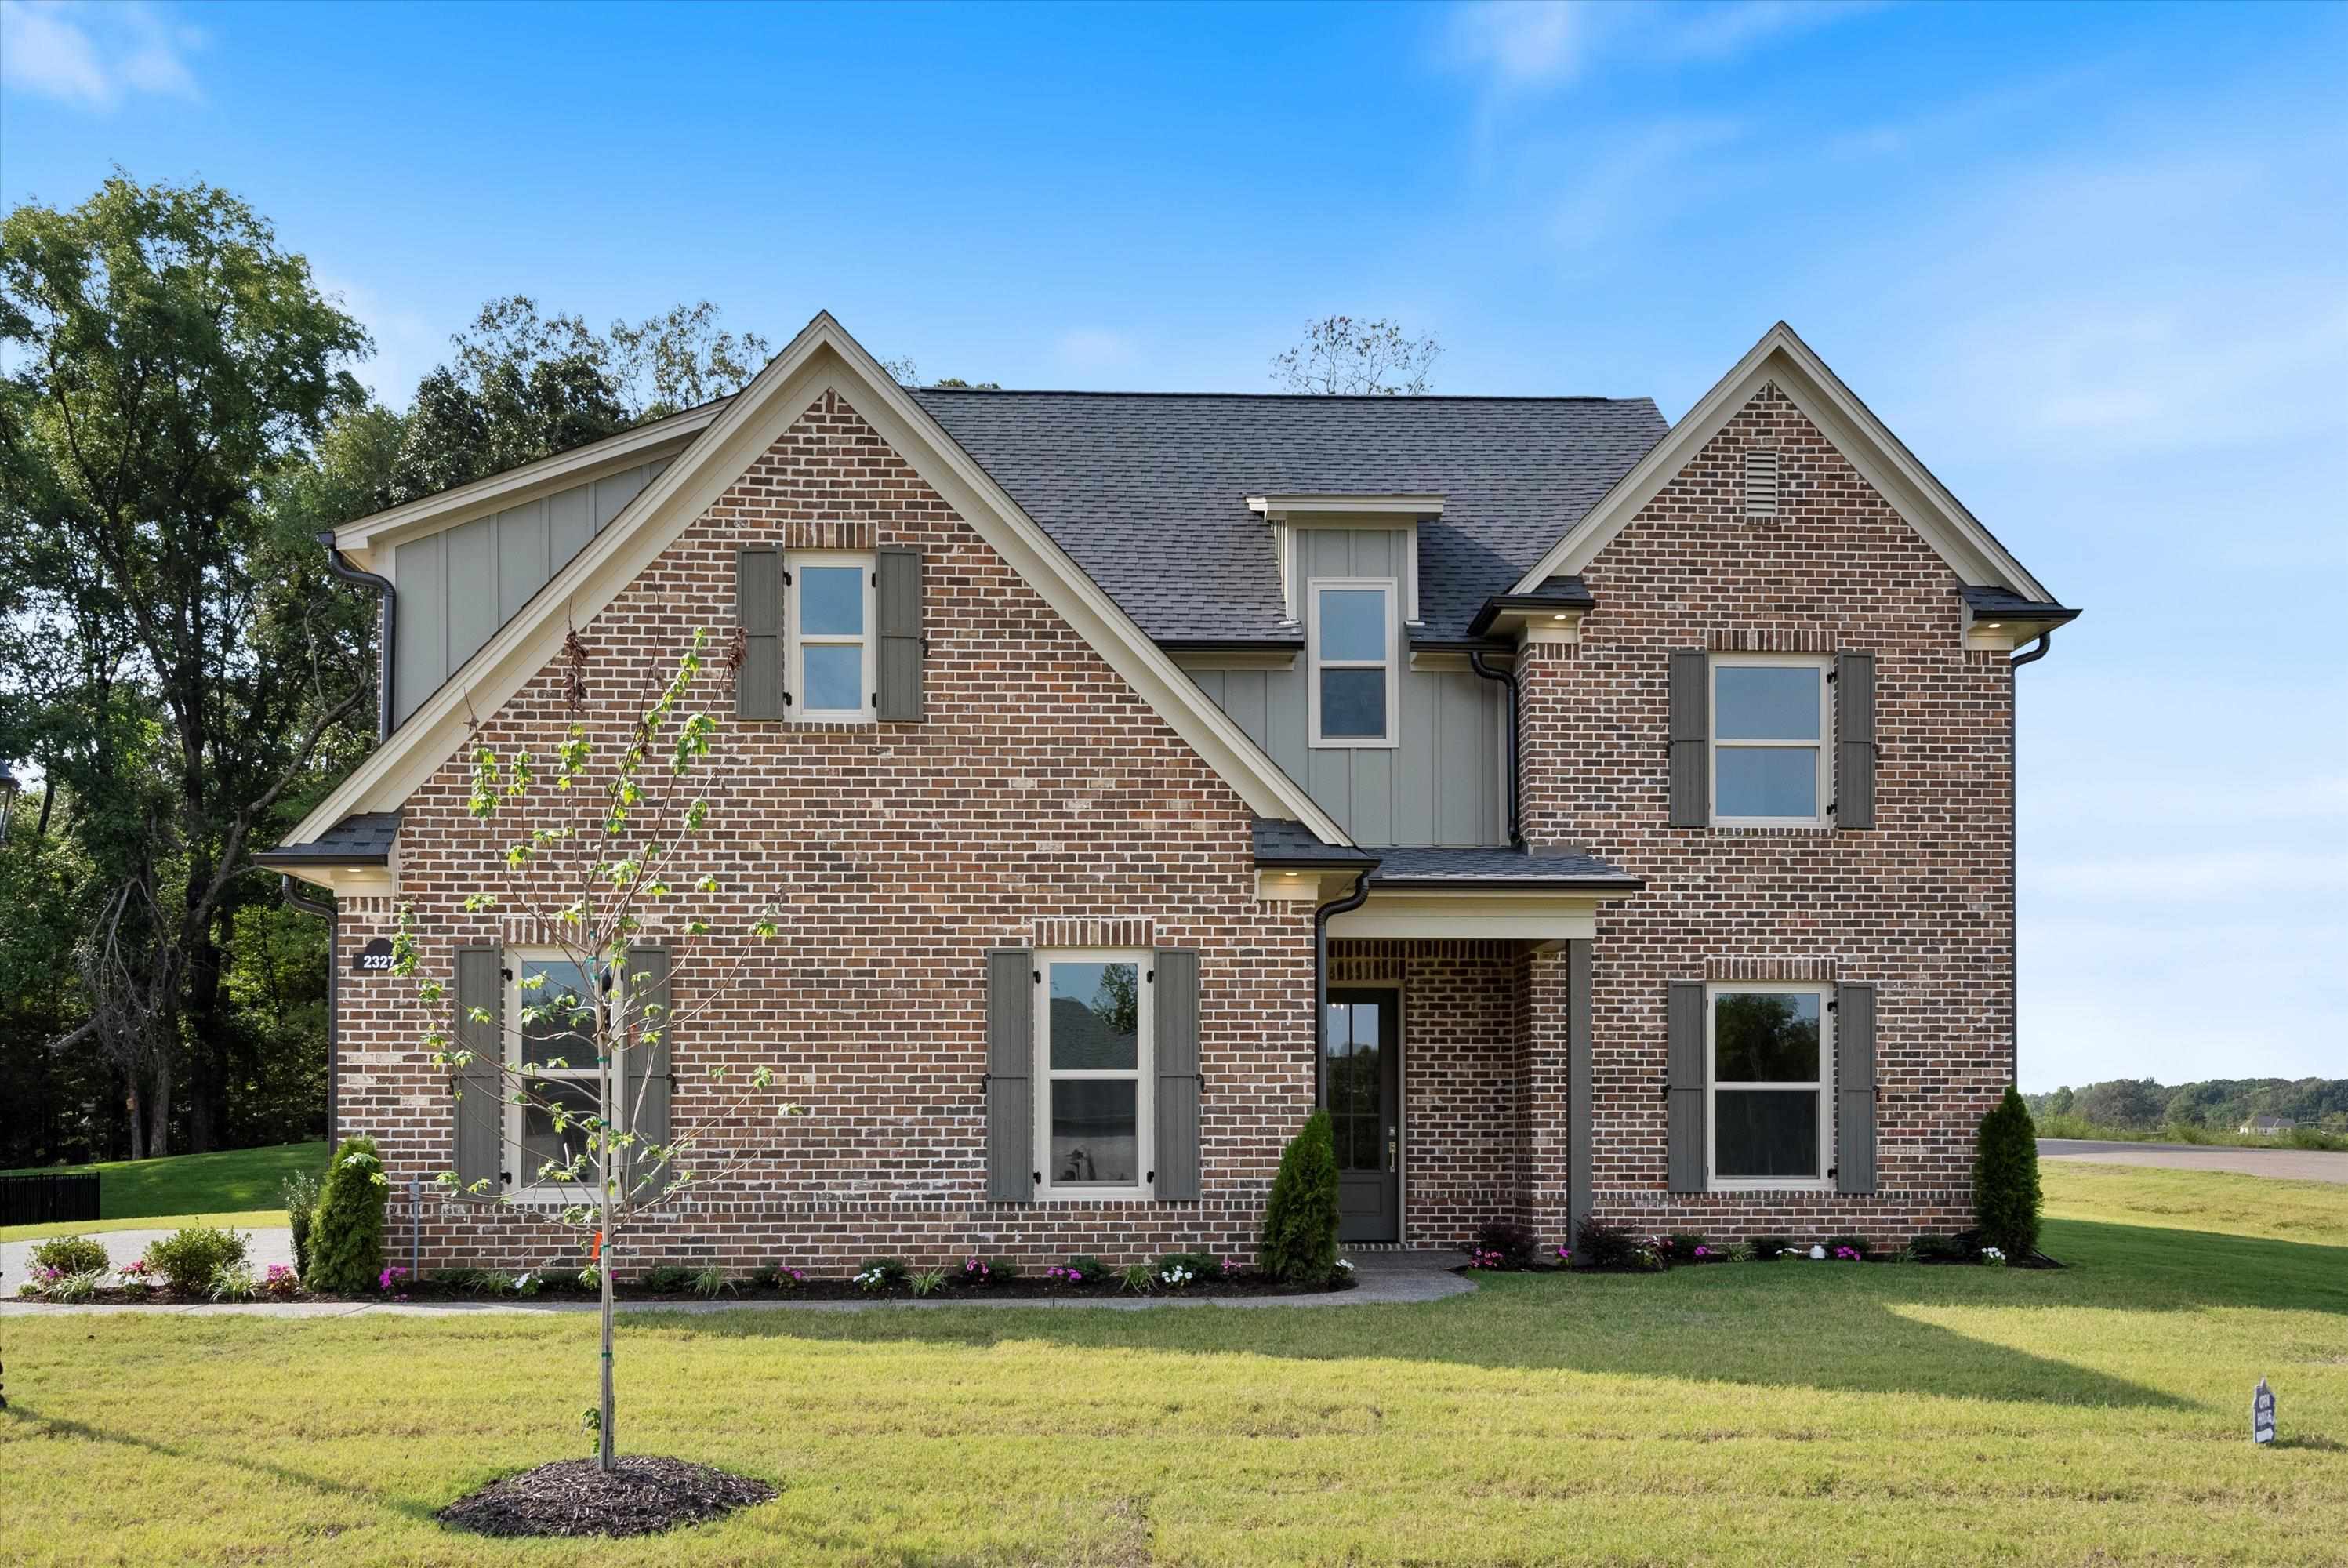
{"x":643,"y":1496}
{"x":559,"y":1288}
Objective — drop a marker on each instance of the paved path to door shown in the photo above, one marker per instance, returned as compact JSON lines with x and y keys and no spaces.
{"x":2296,"y":1164}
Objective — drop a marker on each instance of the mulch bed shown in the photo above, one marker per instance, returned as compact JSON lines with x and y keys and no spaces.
{"x":643,"y":1496}
{"x":559,"y":1288}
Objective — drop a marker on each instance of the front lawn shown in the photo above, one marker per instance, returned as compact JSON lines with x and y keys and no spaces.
{"x":1781,"y":1413}
{"x":228,"y":1182}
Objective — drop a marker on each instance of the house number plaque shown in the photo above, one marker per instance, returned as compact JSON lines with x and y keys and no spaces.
{"x":375,"y":958}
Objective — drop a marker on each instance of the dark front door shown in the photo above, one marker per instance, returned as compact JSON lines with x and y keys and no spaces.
{"x":1364,"y":1049}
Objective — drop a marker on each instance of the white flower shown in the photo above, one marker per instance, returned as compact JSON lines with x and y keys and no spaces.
{"x":1994,"y":1252}
{"x":1346,"y":1263}
{"x":1817,"y":1251}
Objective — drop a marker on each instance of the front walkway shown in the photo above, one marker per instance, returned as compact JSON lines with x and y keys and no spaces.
{"x":1386,"y":1279}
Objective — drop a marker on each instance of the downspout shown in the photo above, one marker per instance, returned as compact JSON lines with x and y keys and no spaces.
{"x":1321,"y":918}
{"x":333,"y":917}
{"x":2039,"y":649}
{"x":387,"y":620}
{"x":1476,"y":662}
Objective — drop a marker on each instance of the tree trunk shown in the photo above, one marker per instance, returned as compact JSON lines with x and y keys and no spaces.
{"x":607,"y":1254}
{"x":137,"y":1120}
{"x":158,"y":1111}
{"x":208,"y":1074}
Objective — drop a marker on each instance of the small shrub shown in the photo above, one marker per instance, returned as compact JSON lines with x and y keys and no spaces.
{"x":871,"y":1277}
{"x":71,"y":1254}
{"x":1177,"y":1275}
{"x":1138,"y":1278}
{"x":464,"y":1281}
{"x":191,"y":1257}
{"x":1686,"y":1244}
{"x":1001,"y":1270}
{"x":281,"y":1283}
{"x":1481,"y":1259}
{"x":1198,"y":1265}
{"x":2006,"y":1199}
{"x":1855,"y":1245}
{"x":1067,"y":1273}
{"x":529,"y":1282}
{"x":235,"y":1282}
{"x":137,"y":1277}
{"x":72,"y":1289}
{"x":1931,"y":1247}
{"x":668,"y":1279}
{"x":347,"y":1236}
{"x":1603,"y":1246}
{"x":392,"y":1280}
{"x":300,"y":1191}
{"x":1512,"y":1244}
{"x":1087,"y":1266}
{"x":891,"y":1270}
{"x":776,"y":1277}
{"x":1769,"y":1249}
{"x":711,"y":1282}
{"x":1299,"y":1222}
{"x":2316,"y":1138}
{"x":929,"y":1282}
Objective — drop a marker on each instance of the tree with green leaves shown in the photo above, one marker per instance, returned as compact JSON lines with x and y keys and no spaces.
{"x":604,"y":833}
{"x":1300,"y":1219}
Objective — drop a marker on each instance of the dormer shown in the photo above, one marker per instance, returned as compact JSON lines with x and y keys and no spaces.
{"x":1323,"y":537}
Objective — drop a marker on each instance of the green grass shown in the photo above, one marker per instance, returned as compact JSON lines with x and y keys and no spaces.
{"x":1788,"y":1413}
{"x":233,"y":1180}
{"x":237,"y":1220}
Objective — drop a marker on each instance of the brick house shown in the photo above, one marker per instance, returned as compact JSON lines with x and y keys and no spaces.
{"x":1597,"y":817}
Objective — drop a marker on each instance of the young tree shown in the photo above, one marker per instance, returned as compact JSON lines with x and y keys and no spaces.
{"x":1339,"y":355}
{"x":605,"y":833}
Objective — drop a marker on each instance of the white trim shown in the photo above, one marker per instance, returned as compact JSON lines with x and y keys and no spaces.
{"x":1390,"y":665}
{"x":794,"y":563}
{"x":1942,"y":521}
{"x":1410,"y":577}
{"x":1236,"y":659}
{"x":821,"y":357}
{"x":1531,"y":916}
{"x":1370,"y":505}
{"x":1825,"y":992}
{"x":1143,"y":1073}
{"x":1823,"y":780}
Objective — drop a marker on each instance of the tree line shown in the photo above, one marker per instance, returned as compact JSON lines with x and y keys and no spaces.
{"x":2218,"y":1105}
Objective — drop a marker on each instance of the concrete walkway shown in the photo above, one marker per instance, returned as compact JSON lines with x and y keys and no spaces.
{"x":2292,"y":1164}
{"x":1385,"y":1279}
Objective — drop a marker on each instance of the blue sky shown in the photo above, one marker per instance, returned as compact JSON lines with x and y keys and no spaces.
{"x":2090,"y":262}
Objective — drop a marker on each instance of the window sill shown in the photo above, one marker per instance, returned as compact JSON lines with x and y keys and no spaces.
{"x":1344,"y":743}
{"x":1746,"y":1186}
{"x":1762,"y":829}
{"x":1095,"y":1195}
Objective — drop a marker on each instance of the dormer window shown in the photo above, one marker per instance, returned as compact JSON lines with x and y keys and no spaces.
{"x":1352,"y":638}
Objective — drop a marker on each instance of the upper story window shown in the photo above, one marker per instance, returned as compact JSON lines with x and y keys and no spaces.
{"x":1769,"y":728}
{"x":1351,"y":639}
{"x":1768,"y":1062}
{"x":550,"y":1046}
{"x":1093,"y":1102}
{"x":830,"y":624}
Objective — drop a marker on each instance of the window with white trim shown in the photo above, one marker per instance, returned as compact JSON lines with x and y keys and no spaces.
{"x":1770,"y":718}
{"x":830,"y":624}
{"x":1768,"y":1052}
{"x":1092,"y":1074}
{"x":550,"y":1033}
{"x":1351,"y":639}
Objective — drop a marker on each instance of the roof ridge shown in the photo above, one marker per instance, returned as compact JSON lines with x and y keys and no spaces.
{"x":1376,"y":398}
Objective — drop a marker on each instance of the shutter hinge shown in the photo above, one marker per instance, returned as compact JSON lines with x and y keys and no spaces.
{"x":1834,"y":1003}
{"x":1151,"y":1178}
{"x":1831,"y":672}
{"x":787,"y":577}
{"x":1039,"y":977}
{"x":1834,"y":1170}
{"x":1830,"y":807}
{"x":1036,"y":1177}
{"x":505,"y":974}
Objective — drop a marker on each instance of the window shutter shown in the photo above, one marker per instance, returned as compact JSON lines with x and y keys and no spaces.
{"x":481,"y":1129}
{"x":1855,"y":1088}
{"x":897,"y":609}
{"x":648,"y":1072}
{"x":1174,"y":1001}
{"x":1010,"y":1055}
{"x":1855,"y":740}
{"x":1685,"y":1089}
{"x":1691,"y":806}
{"x":759,"y":611}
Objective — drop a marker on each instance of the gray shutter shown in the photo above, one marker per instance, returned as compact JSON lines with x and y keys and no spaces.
{"x":759,"y":611}
{"x":1853,"y":1049}
{"x":1010,"y":1055}
{"x":1855,"y":740}
{"x":897,"y":602}
{"x":479,"y":1087}
{"x":648,"y":1072}
{"x":1691,"y":805}
{"x":1174,"y":1001}
{"x":1683,"y":1089}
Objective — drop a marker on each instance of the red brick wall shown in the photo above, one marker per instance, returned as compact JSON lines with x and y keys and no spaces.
{"x":1922,"y":904}
{"x":1039,"y":788}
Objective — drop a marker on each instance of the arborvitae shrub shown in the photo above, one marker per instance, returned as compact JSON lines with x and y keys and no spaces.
{"x":2005,"y":1178}
{"x":301,"y":1207}
{"x":346,"y":1232}
{"x":1299,"y":1224}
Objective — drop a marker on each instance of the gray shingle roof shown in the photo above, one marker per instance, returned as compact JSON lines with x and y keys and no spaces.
{"x":1498,"y":867}
{"x":1147,"y":491}
{"x":1281,"y":842}
{"x":364,"y":840}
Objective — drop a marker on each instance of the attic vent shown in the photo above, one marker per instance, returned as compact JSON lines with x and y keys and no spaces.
{"x":1761,"y":482}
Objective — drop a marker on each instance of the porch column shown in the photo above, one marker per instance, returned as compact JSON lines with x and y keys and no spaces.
{"x":1546,"y":1176}
{"x":1581,"y":1161}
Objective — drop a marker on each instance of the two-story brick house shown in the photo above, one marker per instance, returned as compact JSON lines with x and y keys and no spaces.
{"x":1597,"y":817}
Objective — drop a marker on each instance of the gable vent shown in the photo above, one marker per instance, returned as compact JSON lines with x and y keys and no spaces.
{"x":1761,"y":482}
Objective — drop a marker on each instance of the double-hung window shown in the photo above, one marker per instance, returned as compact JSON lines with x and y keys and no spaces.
{"x":551,"y":1008}
{"x":830,"y":622}
{"x":1769,"y":1059}
{"x":1769,"y":732}
{"x":1093,"y":1082}
{"x":1352,"y":638}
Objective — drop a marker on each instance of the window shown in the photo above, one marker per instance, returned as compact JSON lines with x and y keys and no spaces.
{"x":1768,"y":741}
{"x":1353,"y":637}
{"x":1093,"y":1086}
{"x":1769,"y":1056}
{"x":831,"y":625}
{"x":551,"y":1042}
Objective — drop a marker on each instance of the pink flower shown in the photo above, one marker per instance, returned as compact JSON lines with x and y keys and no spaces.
{"x":1703,"y":1252}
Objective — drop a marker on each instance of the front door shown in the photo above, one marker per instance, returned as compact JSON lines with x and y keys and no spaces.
{"x":1364,"y":1046}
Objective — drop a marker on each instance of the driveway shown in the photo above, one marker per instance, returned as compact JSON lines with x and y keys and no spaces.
{"x":2296,"y":1164}
{"x":269,"y":1246}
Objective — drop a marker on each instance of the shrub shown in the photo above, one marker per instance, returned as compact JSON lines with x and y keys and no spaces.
{"x":2006,"y":1199}
{"x":57,"y":1285}
{"x":891,"y":1270}
{"x":71,"y":1254}
{"x":235,"y":1282}
{"x":1087,"y":1266}
{"x":281,"y":1283}
{"x":1300,"y":1222}
{"x":929,"y":1282}
{"x":668,"y":1279}
{"x":1683,"y":1245}
{"x":346,"y":1233}
{"x":1511,"y":1243}
{"x":1838,"y":1245}
{"x":301,"y":1192}
{"x":191,"y":1257}
{"x":2316,"y":1138}
{"x":1599,"y":1245}
{"x":1198,"y":1266}
{"x":1001,"y":1270}
{"x":1930,"y":1248}
{"x":1136,"y":1277}
{"x":1769,"y":1249}
{"x":711,"y":1282}
{"x":462,"y":1282}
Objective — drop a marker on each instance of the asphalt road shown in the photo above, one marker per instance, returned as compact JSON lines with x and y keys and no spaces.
{"x":2297,"y":1164}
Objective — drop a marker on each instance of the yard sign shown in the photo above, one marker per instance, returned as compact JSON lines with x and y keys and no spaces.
{"x":2262,"y":1413}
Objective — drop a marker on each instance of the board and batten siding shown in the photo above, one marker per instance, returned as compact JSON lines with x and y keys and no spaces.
{"x":458,"y":586}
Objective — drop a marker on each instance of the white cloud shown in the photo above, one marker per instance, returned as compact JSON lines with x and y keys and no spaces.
{"x":95,"y":55}
{"x":1093,"y":348}
{"x":1523,"y":45}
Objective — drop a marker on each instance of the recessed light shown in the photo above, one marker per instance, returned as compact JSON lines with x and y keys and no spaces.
{"x":1991,"y":626}
{"x":1557,"y":617}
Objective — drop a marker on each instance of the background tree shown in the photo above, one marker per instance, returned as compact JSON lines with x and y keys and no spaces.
{"x":1339,"y":355}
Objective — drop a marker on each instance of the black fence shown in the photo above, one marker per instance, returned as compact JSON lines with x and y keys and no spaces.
{"x":46,"y":1200}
